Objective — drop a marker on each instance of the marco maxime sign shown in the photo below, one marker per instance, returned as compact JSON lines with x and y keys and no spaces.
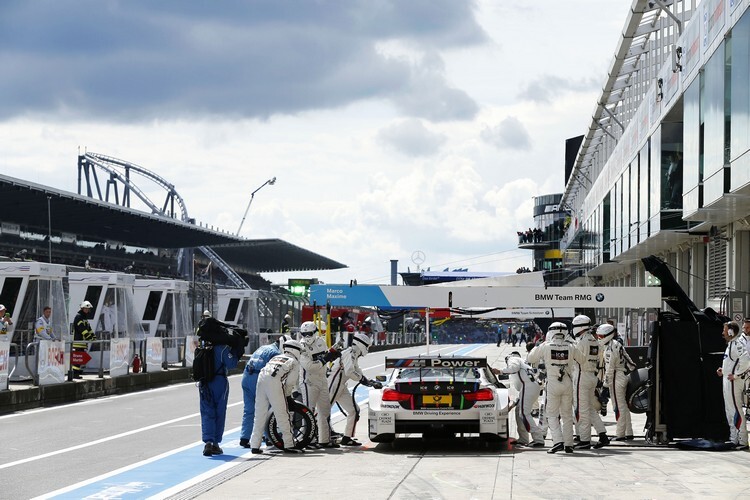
{"x":490,"y":296}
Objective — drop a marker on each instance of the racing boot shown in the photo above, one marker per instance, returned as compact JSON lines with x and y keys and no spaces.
{"x":347,"y":441}
{"x":256,"y":451}
{"x":603,"y":441}
{"x":329,"y":444}
{"x":568,"y":449}
{"x":583,"y":445}
{"x":557,"y":447}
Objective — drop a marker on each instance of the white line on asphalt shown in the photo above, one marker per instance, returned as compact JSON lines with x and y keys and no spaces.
{"x":103,"y":440}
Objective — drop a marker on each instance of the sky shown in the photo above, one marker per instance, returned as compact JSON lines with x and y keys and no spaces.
{"x":391,"y":126}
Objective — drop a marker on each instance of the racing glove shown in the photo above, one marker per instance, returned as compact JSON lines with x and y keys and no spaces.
{"x":370,"y":383}
{"x":331,"y":355}
{"x":377,"y":385}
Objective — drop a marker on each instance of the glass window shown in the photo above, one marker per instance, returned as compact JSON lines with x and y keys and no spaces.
{"x":739,"y":88}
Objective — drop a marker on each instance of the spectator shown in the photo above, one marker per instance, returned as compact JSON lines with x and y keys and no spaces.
{"x":5,"y":322}
{"x":42,"y":328}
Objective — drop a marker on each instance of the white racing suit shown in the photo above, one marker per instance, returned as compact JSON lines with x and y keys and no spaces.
{"x":585,"y":380}
{"x":522,"y":377}
{"x":276,"y":382}
{"x":343,"y":369}
{"x":736,"y":362}
{"x":559,"y":356}
{"x":619,"y":365}
{"x":313,"y":384}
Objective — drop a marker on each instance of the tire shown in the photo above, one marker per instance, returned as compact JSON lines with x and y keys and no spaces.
{"x":637,"y":393}
{"x":304,"y":427}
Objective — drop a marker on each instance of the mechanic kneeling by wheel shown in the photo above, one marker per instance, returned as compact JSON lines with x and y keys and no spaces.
{"x":276,"y":382}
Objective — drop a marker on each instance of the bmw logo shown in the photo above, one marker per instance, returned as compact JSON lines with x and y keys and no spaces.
{"x":599,"y":297}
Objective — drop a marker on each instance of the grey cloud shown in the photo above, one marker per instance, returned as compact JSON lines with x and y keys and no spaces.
{"x":508,"y":134}
{"x":412,"y":138}
{"x":545,"y":88}
{"x":142,"y":60}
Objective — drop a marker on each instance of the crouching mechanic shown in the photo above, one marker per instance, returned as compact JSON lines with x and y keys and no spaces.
{"x":313,"y":383}
{"x":585,"y":381}
{"x":618,"y":366}
{"x":559,"y":356}
{"x":276,"y":382}
{"x":255,"y":364}
{"x":522,"y":377}
{"x":347,"y":368}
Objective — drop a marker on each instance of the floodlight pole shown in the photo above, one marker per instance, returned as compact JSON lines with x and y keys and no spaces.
{"x":270,"y":182}
{"x":49,"y":227}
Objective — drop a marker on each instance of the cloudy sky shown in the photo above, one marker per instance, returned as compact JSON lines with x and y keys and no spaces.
{"x":391,"y":125}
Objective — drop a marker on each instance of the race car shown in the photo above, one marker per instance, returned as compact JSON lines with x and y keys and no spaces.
{"x":438,"y":396}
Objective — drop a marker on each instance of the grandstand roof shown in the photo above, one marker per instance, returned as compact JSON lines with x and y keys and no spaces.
{"x":273,"y":255}
{"x":25,"y":203}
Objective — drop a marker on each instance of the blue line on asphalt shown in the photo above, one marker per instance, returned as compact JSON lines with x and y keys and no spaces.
{"x":155,"y":476}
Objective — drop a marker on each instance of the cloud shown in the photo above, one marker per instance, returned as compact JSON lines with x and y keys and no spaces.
{"x":508,"y":134}
{"x":411,"y":138}
{"x":546,"y":88}
{"x":142,"y":60}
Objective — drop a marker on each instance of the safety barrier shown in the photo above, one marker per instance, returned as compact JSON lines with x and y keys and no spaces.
{"x":44,"y":362}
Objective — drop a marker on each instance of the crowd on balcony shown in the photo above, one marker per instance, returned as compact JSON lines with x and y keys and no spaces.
{"x":530,"y":236}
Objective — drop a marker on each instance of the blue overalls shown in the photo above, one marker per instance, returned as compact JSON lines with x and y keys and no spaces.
{"x":215,"y":394}
{"x":255,"y":364}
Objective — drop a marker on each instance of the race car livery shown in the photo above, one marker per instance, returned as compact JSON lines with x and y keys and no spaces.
{"x":441,"y":396}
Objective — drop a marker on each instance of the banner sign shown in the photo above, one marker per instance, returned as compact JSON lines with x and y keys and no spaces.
{"x":447,"y":296}
{"x":154,"y":353}
{"x":191,"y":342}
{"x":119,"y":357}
{"x":51,"y":362}
{"x":4,"y":364}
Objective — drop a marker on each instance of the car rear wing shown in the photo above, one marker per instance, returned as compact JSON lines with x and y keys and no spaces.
{"x":435,"y":362}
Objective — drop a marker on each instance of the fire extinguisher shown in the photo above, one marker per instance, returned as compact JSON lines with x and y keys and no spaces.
{"x":136,"y":364}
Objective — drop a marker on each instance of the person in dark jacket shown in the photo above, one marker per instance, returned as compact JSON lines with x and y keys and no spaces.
{"x":82,"y":335}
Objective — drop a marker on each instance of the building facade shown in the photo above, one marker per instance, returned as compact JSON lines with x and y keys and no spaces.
{"x":664,"y":168}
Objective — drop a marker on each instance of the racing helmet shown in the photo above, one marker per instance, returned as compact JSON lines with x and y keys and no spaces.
{"x":308,"y":329}
{"x":281,"y":341}
{"x":581,"y":324}
{"x":605,"y":333}
{"x":86,"y":305}
{"x":514,"y":354}
{"x":558,"y":329}
{"x":361,"y":343}
{"x":293,"y":348}
{"x":206,"y":314}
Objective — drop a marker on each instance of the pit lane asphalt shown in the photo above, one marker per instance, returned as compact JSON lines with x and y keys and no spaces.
{"x":462,"y":469}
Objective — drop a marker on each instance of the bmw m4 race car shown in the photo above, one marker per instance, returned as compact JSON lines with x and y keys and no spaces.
{"x":438,"y":397}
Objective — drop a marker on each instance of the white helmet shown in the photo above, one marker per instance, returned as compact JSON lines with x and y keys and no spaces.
{"x":206,"y":314}
{"x":86,"y":305}
{"x":557,"y":329}
{"x":293,"y":348}
{"x":514,"y":354}
{"x":605,"y":333}
{"x":282,"y":340}
{"x":581,"y":325}
{"x":361,"y":343}
{"x":308,"y":329}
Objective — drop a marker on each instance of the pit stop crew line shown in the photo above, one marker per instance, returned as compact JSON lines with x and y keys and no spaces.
{"x":182,"y":466}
